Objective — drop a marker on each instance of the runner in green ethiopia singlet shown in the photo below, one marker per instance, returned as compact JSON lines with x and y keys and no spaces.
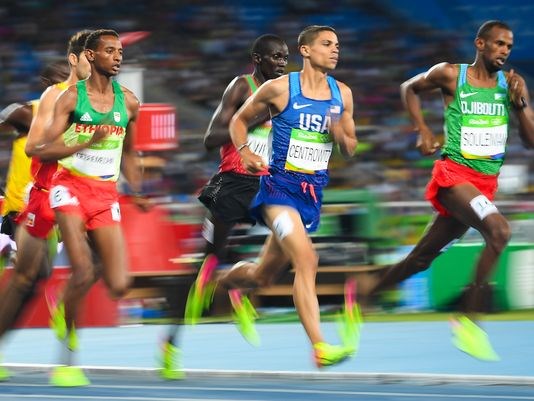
{"x":476,"y":124}
{"x":102,"y":160}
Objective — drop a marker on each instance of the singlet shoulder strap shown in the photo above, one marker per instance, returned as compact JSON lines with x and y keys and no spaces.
{"x":462,"y":75}
{"x":251,"y":82}
{"x":34,"y":105}
{"x":82,"y":89}
{"x":501,"y":80}
{"x":116,"y":87}
{"x":294,"y":84}
{"x":62,"y":85}
{"x":334,"y":88}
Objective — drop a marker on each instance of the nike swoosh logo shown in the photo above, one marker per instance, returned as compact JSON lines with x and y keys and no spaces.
{"x":297,"y":106}
{"x":464,"y":95}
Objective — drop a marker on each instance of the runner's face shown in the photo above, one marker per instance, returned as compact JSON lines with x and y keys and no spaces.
{"x":497,"y":48}
{"x":273,"y":63}
{"x":108,"y":55}
{"x":324,"y":50}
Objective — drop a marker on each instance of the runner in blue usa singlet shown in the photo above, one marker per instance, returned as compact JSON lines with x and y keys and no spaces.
{"x":301,"y":146}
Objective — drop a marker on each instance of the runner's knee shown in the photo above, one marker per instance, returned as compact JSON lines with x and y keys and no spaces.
{"x":308,"y":263}
{"x":262,"y":279}
{"x":82,"y":278}
{"x":24,"y":281}
{"x":499,"y":236}
{"x":118,"y":288}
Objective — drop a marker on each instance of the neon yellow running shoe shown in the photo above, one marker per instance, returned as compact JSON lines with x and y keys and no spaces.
{"x":201,"y":293}
{"x":68,"y":376}
{"x":170,"y":362}
{"x":244,"y":316}
{"x":5,"y":374}
{"x":57,"y":320}
{"x":327,"y":355}
{"x":349,"y":322}
{"x":59,"y":326}
{"x":57,"y":313}
{"x":468,"y":337}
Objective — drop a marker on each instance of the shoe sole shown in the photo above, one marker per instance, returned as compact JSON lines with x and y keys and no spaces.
{"x":58,"y":379}
{"x":327,"y":365}
{"x":460,"y":345}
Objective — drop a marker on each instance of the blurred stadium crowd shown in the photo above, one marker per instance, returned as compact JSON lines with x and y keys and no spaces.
{"x":196,"y":47}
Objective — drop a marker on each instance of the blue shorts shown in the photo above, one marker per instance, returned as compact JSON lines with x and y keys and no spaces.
{"x":286,"y":190}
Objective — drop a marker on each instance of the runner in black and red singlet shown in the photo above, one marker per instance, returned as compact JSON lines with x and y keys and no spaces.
{"x":228,"y":194}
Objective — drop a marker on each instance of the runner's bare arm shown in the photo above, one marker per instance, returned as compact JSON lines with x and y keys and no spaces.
{"x":16,"y":118}
{"x":439,"y":76}
{"x":343,"y":129}
{"x":256,"y":105}
{"x":518,"y":91}
{"x":234,"y":96}
{"x":52,"y":146}
{"x":44,"y":113}
{"x":130,"y":166}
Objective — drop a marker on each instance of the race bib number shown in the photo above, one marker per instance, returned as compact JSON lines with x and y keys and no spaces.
{"x":483,"y":142}
{"x":258,"y":143}
{"x":30,"y":220}
{"x":97,"y":162}
{"x":308,"y":151}
{"x":61,"y":196}
{"x":115,"y":211}
{"x":483,"y":206}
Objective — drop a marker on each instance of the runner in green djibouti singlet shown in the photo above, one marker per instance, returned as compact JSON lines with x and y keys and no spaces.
{"x":476,"y":124}
{"x":478,"y":99}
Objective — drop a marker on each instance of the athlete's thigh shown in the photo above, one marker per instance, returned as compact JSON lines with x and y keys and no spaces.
{"x":286,"y":225}
{"x":31,"y":251}
{"x":73,"y":233}
{"x":468,"y":205}
{"x":110,"y":246}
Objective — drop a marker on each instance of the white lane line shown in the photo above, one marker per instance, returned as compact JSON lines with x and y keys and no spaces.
{"x":284,"y":391}
{"x":271,"y":374}
{"x":95,"y":397}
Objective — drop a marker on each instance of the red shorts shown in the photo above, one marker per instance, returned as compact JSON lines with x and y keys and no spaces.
{"x":96,"y":202}
{"x":447,"y":173}
{"x":38,"y":216}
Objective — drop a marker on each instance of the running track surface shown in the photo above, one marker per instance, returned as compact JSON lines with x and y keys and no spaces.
{"x":28,"y":386}
{"x":396,"y":361}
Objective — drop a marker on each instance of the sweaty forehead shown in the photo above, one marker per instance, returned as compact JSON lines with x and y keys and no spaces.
{"x":501,"y":34}
{"x":276,"y":47}
{"x":109,"y":41}
{"x":326,"y":35}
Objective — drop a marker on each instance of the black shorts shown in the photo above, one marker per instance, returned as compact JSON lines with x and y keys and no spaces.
{"x":9,"y":225}
{"x":228,"y":196}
